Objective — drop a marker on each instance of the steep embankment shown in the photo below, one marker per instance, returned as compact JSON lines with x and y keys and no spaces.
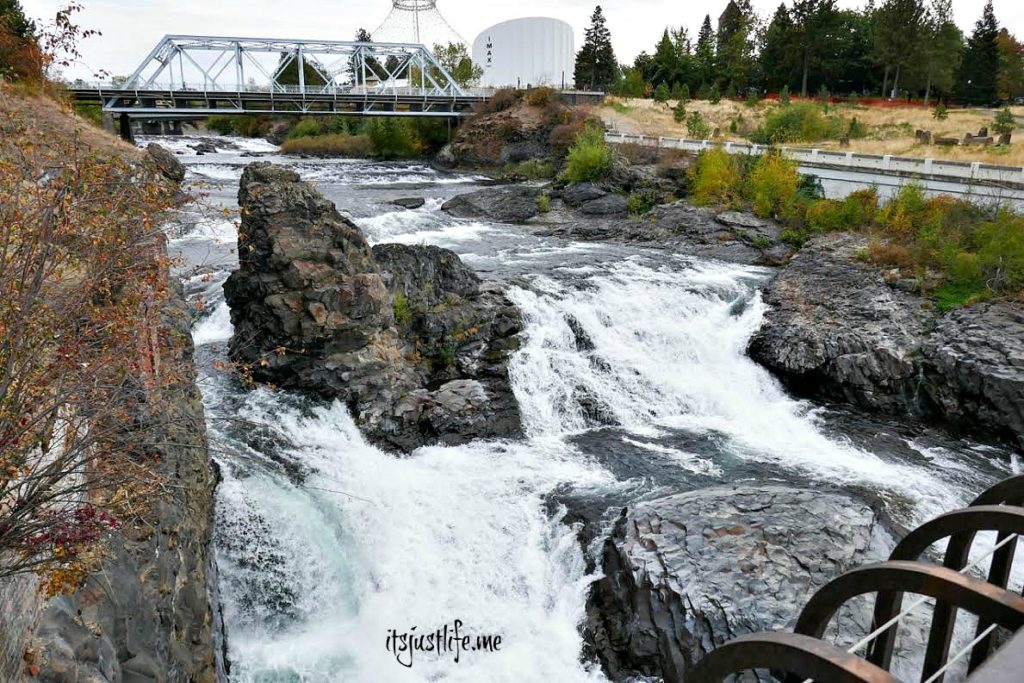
{"x":142,"y":610}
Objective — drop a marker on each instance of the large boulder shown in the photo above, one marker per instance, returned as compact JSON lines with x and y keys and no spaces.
{"x":835,"y":324}
{"x":842,"y":328}
{"x":385,"y":329}
{"x":686,"y":573}
{"x":163,"y":162}
{"x":509,"y":204}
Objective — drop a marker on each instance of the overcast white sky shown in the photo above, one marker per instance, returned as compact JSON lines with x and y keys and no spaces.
{"x":132,"y":27}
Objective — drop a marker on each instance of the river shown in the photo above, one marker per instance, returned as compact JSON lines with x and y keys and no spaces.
{"x":325,"y":543}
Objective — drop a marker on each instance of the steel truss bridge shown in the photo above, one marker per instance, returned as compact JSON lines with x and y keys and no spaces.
{"x":197,"y":76}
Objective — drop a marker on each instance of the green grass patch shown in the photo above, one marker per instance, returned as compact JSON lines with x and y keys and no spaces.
{"x":338,"y":145}
{"x":952,"y":295}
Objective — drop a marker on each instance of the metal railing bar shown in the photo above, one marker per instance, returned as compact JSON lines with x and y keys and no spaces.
{"x":960,"y":654}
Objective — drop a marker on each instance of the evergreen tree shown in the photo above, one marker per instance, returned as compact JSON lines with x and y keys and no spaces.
{"x":19,"y":52}
{"x":899,"y":36}
{"x":776,"y":51}
{"x":665,"y":66}
{"x":12,"y":17}
{"x":942,"y":49}
{"x":704,"y":54}
{"x":980,"y":67}
{"x":289,"y":75}
{"x":596,"y":68}
{"x":815,"y":25}
{"x":850,"y":67}
{"x":734,"y":49}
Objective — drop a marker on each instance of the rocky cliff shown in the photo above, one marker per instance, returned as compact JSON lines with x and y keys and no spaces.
{"x":147,"y":615}
{"x":839,"y":328}
{"x":405,"y":336}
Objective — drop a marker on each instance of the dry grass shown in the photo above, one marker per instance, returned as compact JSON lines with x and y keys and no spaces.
{"x":57,"y":121}
{"x":890,"y":130}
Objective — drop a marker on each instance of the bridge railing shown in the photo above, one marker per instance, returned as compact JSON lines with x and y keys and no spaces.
{"x":199,"y":89}
{"x":804,"y":657}
{"x":960,"y":170}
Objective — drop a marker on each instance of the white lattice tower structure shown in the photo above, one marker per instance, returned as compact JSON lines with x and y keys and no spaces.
{"x":416,"y":21}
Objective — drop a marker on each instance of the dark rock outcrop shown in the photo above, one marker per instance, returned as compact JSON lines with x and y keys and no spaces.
{"x":734,"y":236}
{"x":508,"y":204}
{"x":404,"y":335}
{"x":976,"y":357}
{"x":842,"y":328}
{"x":686,"y":573}
{"x":409,"y":202}
{"x":837,"y":325}
{"x":165,"y":163}
{"x":147,"y":615}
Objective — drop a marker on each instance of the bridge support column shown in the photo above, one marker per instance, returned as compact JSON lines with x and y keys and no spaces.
{"x":125,"y":128}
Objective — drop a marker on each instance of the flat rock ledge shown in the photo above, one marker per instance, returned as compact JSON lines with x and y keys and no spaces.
{"x":839,"y":328}
{"x":686,"y":573}
{"x":406,"y":336}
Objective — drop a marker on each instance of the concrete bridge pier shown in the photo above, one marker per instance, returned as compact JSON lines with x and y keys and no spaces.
{"x":125,"y":128}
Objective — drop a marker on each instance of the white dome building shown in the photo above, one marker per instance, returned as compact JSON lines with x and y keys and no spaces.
{"x":521,"y":52}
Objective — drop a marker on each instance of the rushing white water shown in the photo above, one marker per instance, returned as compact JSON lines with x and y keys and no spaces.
{"x":325,"y":543}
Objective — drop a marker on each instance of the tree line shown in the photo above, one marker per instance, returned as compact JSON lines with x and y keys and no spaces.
{"x":895,"y":49}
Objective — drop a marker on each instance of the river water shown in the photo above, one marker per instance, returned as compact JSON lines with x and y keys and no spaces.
{"x":325,"y":543}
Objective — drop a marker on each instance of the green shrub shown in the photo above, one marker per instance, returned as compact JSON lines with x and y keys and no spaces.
{"x":784,"y":96}
{"x":221,"y":123}
{"x":590,"y":157}
{"x":697,"y":127}
{"x":93,"y":113}
{"x":403,"y":312}
{"x":543,"y":203}
{"x":772,"y":185}
{"x":715,"y":178}
{"x":703,"y":92}
{"x":714,"y":96}
{"x":338,"y":145}
{"x":730,"y":92}
{"x":679,"y":113}
{"x":853,"y":99}
{"x":535,"y":169}
{"x":661,"y":93}
{"x":684,"y":93}
{"x":390,"y":138}
{"x":940,"y":113}
{"x":638,"y":204}
{"x":797,"y":122}
{"x":1000,"y":247}
{"x":905,"y":213}
{"x":306,"y":128}
{"x":539,"y":97}
{"x":752,"y":97}
{"x":828,"y":215}
{"x":824,"y":95}
{"x":503,"y":99}
{"x":856,"y":130}
{"x":677,"y":91}
{"x":1005,"y":121}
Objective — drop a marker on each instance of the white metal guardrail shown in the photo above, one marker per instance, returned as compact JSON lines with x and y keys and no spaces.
{"x":939,"y":168}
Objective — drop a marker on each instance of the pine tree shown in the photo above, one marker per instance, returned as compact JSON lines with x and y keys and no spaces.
{"x":814,"y":34}
{"x":980,"y":68}
{"x":734,"y":49}
{"x":776,"y":50}
{"x":899,"y":29}
{"x":942,"y":49}
{"x":596,"y":68}
{"x":13,"y":18}
{"x":704,"y":53}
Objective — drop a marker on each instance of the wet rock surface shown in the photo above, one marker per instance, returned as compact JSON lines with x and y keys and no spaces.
{"x":686,"y":573}
{"x":404,"y":335}
{"x":508,"y":204}
{"x":734,"y":236}
{"x":838,"y":328}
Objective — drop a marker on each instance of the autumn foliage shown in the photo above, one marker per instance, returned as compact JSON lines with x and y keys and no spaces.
{"x":82,"y":278}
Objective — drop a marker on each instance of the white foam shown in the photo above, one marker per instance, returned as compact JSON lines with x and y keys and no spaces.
{"x":216,"y":327}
